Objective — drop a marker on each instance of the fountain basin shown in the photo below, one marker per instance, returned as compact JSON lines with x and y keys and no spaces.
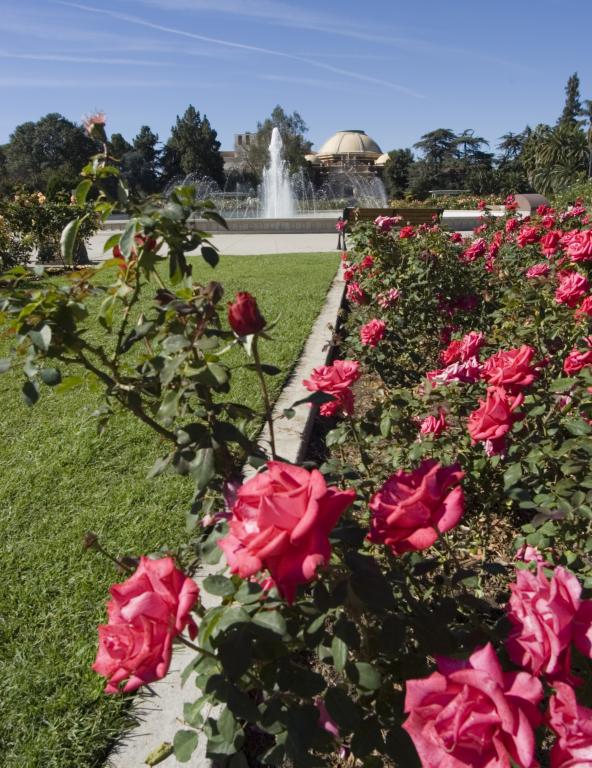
{"x":319,"y":223}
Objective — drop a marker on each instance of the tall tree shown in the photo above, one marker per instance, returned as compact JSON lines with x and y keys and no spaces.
{"x":555,"y":158}
{"x":193,"y":147}
{"x":140,"y":165}
{"x":292,"y":129}
{"x":396,"y":172}
{"x":437,"y":146}
{"x":118,"y":146}
{"x":587,"y":115}
{"x":573,"y":107}
{"x":51,"y":147}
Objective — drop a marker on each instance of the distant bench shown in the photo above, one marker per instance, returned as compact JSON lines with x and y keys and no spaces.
{"x":413,"y":216}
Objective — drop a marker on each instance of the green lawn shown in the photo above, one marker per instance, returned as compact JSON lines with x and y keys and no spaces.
{"x":59,"y":478}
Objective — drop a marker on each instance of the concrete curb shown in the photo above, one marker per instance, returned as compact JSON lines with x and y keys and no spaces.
{"x":160,"y":712}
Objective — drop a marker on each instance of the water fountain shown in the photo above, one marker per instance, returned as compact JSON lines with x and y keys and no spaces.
{"x":277,"y":195}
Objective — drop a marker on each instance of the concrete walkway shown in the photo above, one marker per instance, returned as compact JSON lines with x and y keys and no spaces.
{"x":243,"y":244}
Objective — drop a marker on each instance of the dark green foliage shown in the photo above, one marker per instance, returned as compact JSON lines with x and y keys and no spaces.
{"x":292,"y":129}
{"x":193,"y":147}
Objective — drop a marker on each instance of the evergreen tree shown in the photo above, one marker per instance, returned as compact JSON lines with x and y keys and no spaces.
{"x":573,"y":106}
{"x":140,"y":165}
{"x":193,"y":147}
{"x":118,"y":146}
{"x":396,"y":172}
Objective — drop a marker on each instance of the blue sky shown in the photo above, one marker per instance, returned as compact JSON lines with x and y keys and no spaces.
{"x":393,"y":68}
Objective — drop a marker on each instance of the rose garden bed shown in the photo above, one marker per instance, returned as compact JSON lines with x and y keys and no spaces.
{"x":420,"y":595}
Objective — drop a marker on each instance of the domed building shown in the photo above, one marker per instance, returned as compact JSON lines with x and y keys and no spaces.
{"x":351,"y":150}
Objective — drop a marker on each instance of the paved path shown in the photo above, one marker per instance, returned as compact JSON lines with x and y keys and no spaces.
{"x":243,"y":244}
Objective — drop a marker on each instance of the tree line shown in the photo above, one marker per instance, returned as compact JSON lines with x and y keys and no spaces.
{"x":48,"y":155}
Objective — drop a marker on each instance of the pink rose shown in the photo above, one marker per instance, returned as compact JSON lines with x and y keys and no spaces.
{"x":372,"y":332}
{"x":527,"y":236}
{"x":472,"y":714}
{"x":145,"y":613}
{"x":281,"y":521}
{"x":512,"y":369}
{"x":434,"y":425}
{"x":348,"y":274}
{"x":528,"y":554}
{"x":542,"y":613}
{"x":572,"y":724}
{"x":335,"y":380}
{"x":511,"y":225}
{"x":355,"y":294}
{"x":494,"y":417}
{"x":510,"y":203}
{"x":466,"y":373}
{"x":538,"y":270}
{"x":388,"y":299}
{"x":386,"y":223}
{"x":573,"y":286}
{"x":548,"y":221}
{"x":585,"y":308}
{"x":412,"y":509}
{"x":476,"y":249}
{"x":577,"y":360}
{"x":579,"y":245}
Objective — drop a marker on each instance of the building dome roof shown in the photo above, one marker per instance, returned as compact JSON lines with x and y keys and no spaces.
{"x":350,"y":143}
{"x":383,"y":159}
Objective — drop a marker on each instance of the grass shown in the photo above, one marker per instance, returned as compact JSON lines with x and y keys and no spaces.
{"x":59,"y":479}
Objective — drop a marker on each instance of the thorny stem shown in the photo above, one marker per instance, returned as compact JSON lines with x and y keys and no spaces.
{"x":264,"y":392}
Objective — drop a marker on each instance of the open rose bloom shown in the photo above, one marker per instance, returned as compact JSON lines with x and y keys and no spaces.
{"x":146,"y":612}
{"x":572,"y":724}
{"x":494,"y":417}
{"x":412,"y":509}
{"x":281,"y":522}
{"x":335,"y":380}
{"x":547,"y":616}
{"x":471,"y":714}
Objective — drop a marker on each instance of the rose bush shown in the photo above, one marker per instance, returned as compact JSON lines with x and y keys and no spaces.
{"x":390,"y":602}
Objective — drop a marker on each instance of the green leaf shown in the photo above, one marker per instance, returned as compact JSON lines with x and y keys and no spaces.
{"x":512,"y":475}
{"x":272,"y":620}
{"x":50,"y":376}
{"x":339,"y":653}
{"x":41,"y":339}
{"x":346,"y":713}
{"x":218,"y":585}
{"x":82,"y":191}
{"x":126,"y":241}
{"x":184,"y":745}
{"x":68,"y":240}
{"x":210,"y":255}
{"x":30,"y":392}
{"x":364,"y":675}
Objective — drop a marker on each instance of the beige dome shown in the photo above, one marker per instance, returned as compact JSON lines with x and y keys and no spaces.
{"x":350,"y":143}
{"x":383,"y":159}
{"x":311,"y":158}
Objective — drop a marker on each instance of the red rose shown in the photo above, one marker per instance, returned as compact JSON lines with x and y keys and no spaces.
{"x":372,"y":332}
{"x":542,"y":614}
{"x":512,"y":369}
{"x":355,"y":294}
{"x":281,"y":521}
{"x":511,"y":225}
{"x":572,"y":288}
{"x":494,"y":417}
{"x":527,"y":236}
{"x":472,"y":714}
{"x":244,"y":316}
{"x":413,"y":508}
{"x":145,"y":613}
{"x":476,"y":249}
{"x":456,"y":237}
{"x":572,"y":724}
{"x":406,"y":232}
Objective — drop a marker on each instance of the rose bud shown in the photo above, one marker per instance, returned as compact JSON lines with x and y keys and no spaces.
{"x":244,"y":316}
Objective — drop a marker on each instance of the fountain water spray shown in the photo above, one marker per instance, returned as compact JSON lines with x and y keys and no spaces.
{"x":277,"y":196}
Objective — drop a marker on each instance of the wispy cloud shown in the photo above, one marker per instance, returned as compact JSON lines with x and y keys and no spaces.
{"x":82,"y":59}
{"x":243,"y":47}
{"x":60,"y":82}
{"x":310,"y":82}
